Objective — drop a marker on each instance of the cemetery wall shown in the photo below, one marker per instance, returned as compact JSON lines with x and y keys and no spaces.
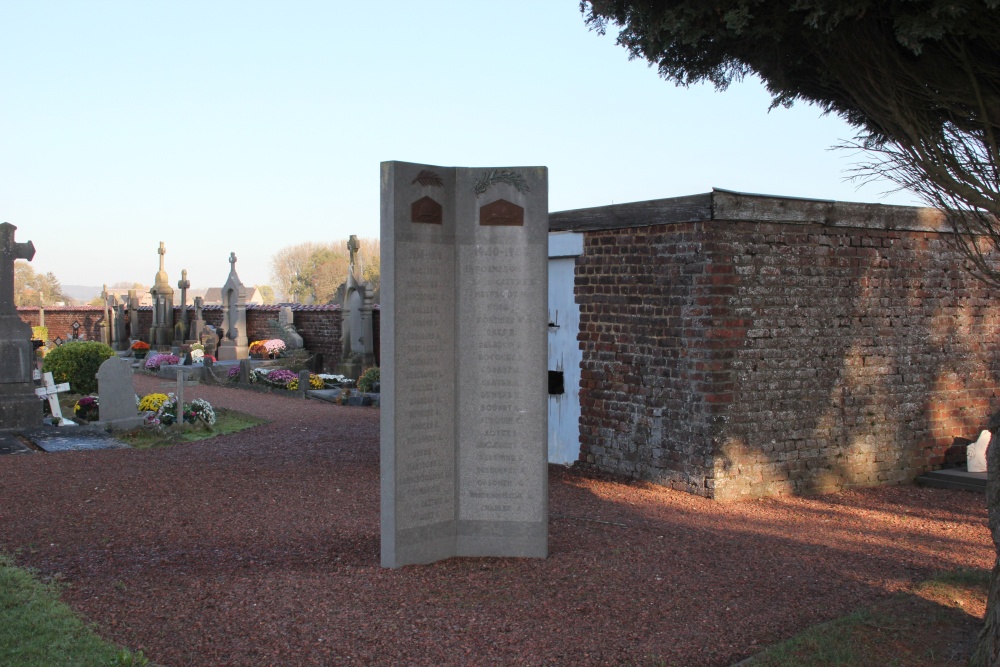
{"x":59,"y":320}
{"x":319,"y":326}
{"x":778,"y":346}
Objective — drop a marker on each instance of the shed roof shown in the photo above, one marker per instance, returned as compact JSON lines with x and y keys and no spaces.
{"x":720,"y":204}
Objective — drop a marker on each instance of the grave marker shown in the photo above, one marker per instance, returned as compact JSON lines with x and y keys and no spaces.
{"x":115,"y":390}
{"x":18,"y":406}
{"x":234,"y":343}
{"x":464,"y":362}
{"x":50,"y":390}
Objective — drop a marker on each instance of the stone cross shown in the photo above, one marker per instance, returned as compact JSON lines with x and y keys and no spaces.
{"x":51,"y":392}
{"x":183,"y":284}
{"x":199,"y":303}
{"x":133,"y":314}
{"x":232,"y":261}
{"x":352,"y":247}
{"x":106,"y":324}
{"x":162,"y":251}
{"x":10,"y":251}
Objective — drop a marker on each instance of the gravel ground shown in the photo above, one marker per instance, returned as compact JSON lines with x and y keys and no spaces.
{"x":262,"y":548}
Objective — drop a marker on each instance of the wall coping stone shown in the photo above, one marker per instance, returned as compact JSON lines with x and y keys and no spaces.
{"x":728,"y":205}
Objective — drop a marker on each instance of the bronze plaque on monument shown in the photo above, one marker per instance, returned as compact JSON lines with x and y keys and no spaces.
{"x":501,"y":213}
{"x":427,"y":211}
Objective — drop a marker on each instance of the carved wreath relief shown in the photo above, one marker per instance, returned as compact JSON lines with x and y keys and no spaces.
{"x":428,"y":179}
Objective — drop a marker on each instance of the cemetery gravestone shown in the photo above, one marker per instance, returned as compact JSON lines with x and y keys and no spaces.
{"x":181,"y":328}
{"x":162,"y":331}
{"x":133,"y":314}
{"x":115,"y":390}
{"x":50,"y":391}
{"x":19,"y":407}
{"x":464,"y":352}
{"x":234,"y":343}
{"x":357,"y":338}
{"x":286,"y":323}
{"x":106,"y":328}
{"x":198,"y":326}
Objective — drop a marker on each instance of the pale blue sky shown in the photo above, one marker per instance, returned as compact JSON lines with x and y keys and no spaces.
{"x":249,"y":126}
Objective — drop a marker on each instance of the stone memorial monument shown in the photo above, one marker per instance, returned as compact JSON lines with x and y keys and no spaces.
{"x":464,"y":373}
{"x":161,"y":333}
{"x":357,"y":341}
{"x":19,"y":406}
{"x":234,"y":343}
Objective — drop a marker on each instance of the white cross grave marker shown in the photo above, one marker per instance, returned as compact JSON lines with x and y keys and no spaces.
{"x":51,"y":391}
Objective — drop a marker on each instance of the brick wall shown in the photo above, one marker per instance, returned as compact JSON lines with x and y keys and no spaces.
{"x":319,"y":326}
{"x":734,"y":359}
{"x":59,"y":320}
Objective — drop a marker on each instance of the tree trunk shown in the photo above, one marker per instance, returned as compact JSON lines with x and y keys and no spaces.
{"x":987,"y":653}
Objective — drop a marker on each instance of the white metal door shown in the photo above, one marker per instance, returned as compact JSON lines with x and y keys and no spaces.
{"x":564,"y":363}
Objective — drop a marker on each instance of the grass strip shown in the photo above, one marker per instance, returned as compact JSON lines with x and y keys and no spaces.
{"x":39,"y":630}
{"x":929,"y":625}
{"x":226,"y":422}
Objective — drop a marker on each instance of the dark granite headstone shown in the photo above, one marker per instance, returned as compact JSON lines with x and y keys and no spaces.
{"x":19,"y":406}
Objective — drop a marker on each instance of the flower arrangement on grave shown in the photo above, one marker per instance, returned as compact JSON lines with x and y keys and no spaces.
{"x":197,"y":346}
{"x":368,"y":379}
{"x":233,"y":374}
{"x":197,"y":356}
{"x":87,"y":408}
{"x":274,"y":347}
{"x":344,"y":397}
{"x":140,"y":346}
{"x":315,"y":382}
{"x":210,"y":357}
{"x":157,"y":360}
{"x":152,"y":402}
{"x":332,"y":381}
{"x":199,"y":410}
{"x":166,"y":414}
{"x":281,"y":378}
{"x":271,"y":347}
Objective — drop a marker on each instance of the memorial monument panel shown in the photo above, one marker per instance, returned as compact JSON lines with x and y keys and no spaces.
{"x":464,"y":310}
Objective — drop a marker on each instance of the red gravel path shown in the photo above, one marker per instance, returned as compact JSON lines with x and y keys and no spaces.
{"x":261,"y":548}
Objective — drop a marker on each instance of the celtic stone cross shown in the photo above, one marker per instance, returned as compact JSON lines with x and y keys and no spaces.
{"x":10,"y":251}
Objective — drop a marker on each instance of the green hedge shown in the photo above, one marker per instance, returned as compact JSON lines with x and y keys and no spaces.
{"x":77,"y":363}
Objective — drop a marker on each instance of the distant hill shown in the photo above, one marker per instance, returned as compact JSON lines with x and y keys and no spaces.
{"x":82,"y":293}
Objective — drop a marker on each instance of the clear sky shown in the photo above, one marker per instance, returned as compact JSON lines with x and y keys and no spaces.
{"x":250,"y":126}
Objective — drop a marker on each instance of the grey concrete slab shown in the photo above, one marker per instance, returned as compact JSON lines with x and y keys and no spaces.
{"x":70,"y":439}
{"x":954,"y":478}
{"x":11,"y":444}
